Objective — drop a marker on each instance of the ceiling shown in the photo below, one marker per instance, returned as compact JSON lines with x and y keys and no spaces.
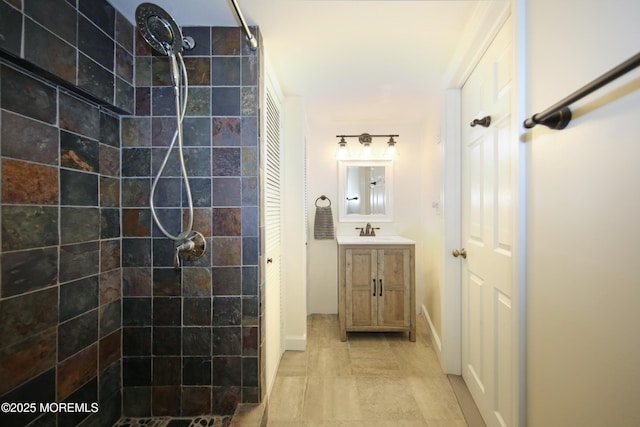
{"x":351,"y":61}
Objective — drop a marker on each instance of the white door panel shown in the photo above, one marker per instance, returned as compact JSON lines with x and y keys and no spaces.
{"x":488,"y":155}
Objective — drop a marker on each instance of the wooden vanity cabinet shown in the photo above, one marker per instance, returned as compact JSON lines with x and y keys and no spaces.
{"x":376,"y":288}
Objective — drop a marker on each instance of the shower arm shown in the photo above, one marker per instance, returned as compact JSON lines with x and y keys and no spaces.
{"x":253,"y":42}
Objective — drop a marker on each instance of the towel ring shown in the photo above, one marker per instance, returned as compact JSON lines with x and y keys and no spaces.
{"x":323,"y":197}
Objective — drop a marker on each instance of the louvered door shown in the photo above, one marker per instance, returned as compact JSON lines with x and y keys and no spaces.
{"x":274,"y":317}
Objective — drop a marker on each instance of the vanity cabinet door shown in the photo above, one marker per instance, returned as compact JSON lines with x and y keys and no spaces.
{"x":361,"y":282}
{"x":394,"y":282}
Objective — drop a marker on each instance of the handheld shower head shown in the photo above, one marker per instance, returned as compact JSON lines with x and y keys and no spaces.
{"x":159,"y":29}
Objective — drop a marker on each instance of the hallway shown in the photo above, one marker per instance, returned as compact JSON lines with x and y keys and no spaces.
{"x":373,"y":379}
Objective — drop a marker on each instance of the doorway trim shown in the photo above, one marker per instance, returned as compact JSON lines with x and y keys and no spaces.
{"x":490,"y":16}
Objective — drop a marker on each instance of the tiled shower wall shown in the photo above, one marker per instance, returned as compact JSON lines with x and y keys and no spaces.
{"x":91,"y":309}
{"x":60,"y":290}
{"x":60,"y":304}
{"x":191,"y":336}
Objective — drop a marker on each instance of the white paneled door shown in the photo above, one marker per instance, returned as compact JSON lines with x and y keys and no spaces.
{"x":489,"y":151}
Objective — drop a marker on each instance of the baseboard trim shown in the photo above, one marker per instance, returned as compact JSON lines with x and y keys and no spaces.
{"x":298,"y":343}
{"x":435,"y":338}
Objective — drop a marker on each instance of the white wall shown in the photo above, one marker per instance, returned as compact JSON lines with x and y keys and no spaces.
{"x":414,"y":181}
{"x":294,"y":266}
{"x":583,"y":346}
{"x":322,"y":179}
{"x":432,"y":258}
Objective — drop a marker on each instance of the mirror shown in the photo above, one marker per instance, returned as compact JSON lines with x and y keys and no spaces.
{"x":365,"y":190}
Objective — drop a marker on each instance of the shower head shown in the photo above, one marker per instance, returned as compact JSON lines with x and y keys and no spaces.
{"x":159,"y":29}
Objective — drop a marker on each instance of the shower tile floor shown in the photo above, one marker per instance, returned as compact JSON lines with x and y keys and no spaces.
{"x":200,"y":421}
{"x":372,"y":380}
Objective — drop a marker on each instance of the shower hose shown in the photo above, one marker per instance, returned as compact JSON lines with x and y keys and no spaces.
{"x":181,"y":90}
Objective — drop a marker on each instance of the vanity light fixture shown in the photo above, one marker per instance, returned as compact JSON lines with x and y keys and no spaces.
{"x":365,"y":139}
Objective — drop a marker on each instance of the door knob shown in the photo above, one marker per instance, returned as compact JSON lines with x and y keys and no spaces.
{"x":462,"y":253}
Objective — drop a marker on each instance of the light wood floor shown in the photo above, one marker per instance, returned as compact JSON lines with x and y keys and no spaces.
{"x":372,"y":380}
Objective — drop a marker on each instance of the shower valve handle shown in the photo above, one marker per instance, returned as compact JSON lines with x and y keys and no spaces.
{"x":191,"y":249}
{"x":187,"y":246}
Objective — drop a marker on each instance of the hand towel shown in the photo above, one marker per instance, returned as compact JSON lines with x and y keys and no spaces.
{"x":323,"y":224}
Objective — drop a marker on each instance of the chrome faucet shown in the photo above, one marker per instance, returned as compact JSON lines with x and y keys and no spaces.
{"x":368,"y":230}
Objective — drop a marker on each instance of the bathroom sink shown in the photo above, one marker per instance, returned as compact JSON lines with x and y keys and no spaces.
{"x":374,"y":240}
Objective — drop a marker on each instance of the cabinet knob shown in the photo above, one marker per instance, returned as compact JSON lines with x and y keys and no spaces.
{"x":462,"y":253}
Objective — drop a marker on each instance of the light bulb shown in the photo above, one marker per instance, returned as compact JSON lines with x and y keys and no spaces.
{"x":342,"y":152}
{"x":366,"y":151}
{"x":391,"y":150}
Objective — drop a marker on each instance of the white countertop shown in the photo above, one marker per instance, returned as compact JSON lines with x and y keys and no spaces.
{"x":374,"y":240}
